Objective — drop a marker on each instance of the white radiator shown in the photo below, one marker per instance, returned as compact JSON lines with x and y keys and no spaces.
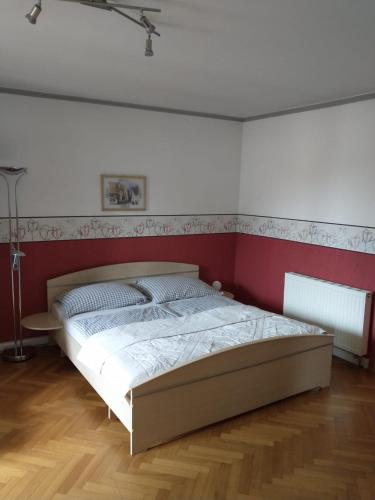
{"x":338,"y":309}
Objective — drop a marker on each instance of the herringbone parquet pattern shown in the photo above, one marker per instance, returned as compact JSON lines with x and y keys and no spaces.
{"x":56,"y":443}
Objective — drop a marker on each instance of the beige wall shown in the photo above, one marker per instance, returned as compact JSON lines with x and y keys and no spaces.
{"x":316,"y":165}
{"x":192,"y":164}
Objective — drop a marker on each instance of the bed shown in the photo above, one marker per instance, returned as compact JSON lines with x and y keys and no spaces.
{"x":204,"y":390}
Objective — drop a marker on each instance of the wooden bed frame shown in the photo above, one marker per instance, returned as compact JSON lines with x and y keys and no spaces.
{"x":210,"y":389}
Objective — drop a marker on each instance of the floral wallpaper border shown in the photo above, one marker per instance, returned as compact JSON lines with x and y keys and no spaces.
{"x":354,"y":238}
{"x":86,"y":228}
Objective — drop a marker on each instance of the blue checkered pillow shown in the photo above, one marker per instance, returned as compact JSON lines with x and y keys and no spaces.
{"x":99,"y":296}
{"x":168,"y":288}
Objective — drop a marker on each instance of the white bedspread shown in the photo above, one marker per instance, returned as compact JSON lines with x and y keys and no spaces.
{"x":137,"y":352}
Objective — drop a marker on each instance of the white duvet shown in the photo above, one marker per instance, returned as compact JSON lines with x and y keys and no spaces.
{"x":137,"y":352}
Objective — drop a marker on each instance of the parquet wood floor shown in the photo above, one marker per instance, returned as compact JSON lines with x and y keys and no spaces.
{"x":57,"y":443}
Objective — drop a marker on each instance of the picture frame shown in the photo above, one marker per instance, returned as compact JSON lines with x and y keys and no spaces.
{"x":123,"y":192}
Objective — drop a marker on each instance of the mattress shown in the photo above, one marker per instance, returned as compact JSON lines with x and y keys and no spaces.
{"x":83,"y":326}
{"x":137,"y":352}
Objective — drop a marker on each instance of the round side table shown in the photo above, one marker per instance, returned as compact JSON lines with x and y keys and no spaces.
{"x":41,"y":322}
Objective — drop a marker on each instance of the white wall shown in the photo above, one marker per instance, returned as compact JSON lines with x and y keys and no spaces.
{"x":317,"y":165}
{"x":192,"y":164}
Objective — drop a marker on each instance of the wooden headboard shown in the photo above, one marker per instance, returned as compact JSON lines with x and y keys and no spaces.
{"x":126,"y":273}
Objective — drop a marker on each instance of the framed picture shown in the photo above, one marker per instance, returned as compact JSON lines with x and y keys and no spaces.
{"x":123,"y":192}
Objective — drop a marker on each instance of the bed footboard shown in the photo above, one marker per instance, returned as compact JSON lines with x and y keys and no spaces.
{"x":227,"y":384}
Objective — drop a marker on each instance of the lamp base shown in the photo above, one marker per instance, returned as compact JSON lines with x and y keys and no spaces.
{"x":18,"y":355}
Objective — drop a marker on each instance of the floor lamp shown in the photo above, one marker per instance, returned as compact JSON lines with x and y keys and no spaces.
{"x":18,"y":352}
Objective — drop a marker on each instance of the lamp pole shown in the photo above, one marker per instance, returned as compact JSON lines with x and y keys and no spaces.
{"x":18,"y":352}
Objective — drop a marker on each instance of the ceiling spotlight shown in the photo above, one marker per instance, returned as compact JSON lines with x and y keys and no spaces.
{"x":117,"y":7}
{"x":148,"y":50}
{"x":33,"y":15}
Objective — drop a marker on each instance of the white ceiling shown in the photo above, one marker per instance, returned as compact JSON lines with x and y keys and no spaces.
{"x":235,"y":57}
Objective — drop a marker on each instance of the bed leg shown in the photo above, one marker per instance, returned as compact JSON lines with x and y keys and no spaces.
{"x":109,"y":413}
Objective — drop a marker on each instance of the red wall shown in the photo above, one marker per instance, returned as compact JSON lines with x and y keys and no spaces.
{"x":252,"y":266}
{"x":44,"y":260}
{"x":261,"y":264}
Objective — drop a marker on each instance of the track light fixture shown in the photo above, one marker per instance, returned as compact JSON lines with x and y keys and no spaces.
{"x":33,"y":15}
{"x":150,"y":28}
{"x":110,"y":6}
{"x":148,"y":50}
{"x":147,"y":24}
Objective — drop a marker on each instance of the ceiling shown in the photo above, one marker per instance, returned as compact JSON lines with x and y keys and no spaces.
{"x":238,"y":58}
